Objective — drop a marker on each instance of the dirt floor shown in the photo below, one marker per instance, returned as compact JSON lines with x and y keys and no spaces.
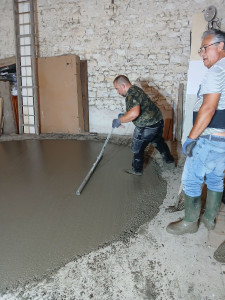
{"x":149,"y":263}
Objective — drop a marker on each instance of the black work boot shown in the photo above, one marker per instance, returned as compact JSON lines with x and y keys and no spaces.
{"x":168,"y":158}
{"x":166,"y":155}
{"x":189,"y":224}
{"x":164,"y":150}
{"x":133,"y":172}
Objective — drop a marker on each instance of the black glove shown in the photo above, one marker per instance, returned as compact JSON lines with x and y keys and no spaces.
{"x":116,"y":123}
{"x":188,"y":146}
{"x":120,"y":115}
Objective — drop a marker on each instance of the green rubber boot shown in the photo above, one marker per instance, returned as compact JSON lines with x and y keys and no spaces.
{"x":192,"y":207}
{"x":213,"y":201}
{"x":219,"y":254}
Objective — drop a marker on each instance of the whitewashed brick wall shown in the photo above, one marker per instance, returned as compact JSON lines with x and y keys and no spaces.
{"x":147,"y":40}
{"x":7,"y":42}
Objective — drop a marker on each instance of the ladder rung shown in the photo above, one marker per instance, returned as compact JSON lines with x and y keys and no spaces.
{"x":24,"y":35}
{"x":26,"y":66}
{"x":22,"y":1}
{"x":23,"y":13}
{"x":25,"y":45}
{"x":22,"y":24}
{"x":25,"y":56}
{"x":29,"y":66}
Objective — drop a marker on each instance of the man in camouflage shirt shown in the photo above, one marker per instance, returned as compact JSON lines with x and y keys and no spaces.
{"x":147,"y":119}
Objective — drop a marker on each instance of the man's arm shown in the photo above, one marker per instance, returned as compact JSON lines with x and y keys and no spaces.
{"x":131,"y":115}
{"x":205,"y":114}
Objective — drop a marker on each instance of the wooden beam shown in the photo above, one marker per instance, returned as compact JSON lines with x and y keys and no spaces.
{"x":7,"y":61}
{"x":84,"y":90}
{"x":180,"y":112}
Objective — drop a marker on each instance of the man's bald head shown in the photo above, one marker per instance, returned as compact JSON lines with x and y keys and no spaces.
{"x":122,"y":79}
{"x":122,"y":84}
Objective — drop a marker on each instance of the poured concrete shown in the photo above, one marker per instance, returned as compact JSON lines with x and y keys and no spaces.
{"x":43,"y":224}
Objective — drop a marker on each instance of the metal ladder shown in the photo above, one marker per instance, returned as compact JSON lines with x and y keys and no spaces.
{"x":26,"y":66}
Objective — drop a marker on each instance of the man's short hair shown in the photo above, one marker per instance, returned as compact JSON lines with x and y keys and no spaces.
{"x":121,"y":79}
{"x":218,"y":36}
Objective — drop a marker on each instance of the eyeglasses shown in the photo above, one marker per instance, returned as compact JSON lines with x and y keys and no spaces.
{"x":205,"y":47}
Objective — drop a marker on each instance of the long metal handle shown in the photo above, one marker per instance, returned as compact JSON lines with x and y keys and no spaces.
{"x":94,"y":166}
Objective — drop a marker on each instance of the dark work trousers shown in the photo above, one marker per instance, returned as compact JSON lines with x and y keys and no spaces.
{"x":142,"y":137}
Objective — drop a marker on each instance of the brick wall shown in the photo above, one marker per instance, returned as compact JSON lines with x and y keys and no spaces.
{"x":147,"y":40}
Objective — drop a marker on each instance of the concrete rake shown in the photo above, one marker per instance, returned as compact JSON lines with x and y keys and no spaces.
{"x":78,"y":192}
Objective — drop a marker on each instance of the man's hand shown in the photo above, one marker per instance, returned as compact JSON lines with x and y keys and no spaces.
{"x":188,"y":146}
{"x":116,"y":123}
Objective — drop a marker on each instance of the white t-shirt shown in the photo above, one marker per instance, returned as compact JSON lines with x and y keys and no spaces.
{"x":213,"y":82}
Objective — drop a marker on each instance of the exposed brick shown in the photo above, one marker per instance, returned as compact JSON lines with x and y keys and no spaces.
{"x":147,"y":40}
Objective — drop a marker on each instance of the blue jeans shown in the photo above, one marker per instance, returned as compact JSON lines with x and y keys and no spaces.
{"x":207,"y":166}
{"x":142,"y":137}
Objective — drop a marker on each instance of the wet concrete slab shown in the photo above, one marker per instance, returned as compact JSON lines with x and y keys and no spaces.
{"x":44,"y":224}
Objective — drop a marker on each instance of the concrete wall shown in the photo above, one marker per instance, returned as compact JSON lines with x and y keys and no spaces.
{"x":147,"y":40}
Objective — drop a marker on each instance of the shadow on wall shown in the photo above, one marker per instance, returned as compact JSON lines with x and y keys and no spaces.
{"x":164,"y":106}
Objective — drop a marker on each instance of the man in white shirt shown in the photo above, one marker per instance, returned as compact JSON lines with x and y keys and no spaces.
{"x":205,"y":145}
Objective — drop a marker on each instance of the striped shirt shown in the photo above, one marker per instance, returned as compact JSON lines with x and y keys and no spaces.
{"x":213,"y":82}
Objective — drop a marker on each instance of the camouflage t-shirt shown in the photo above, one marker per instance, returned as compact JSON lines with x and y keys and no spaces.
{"x":150,"y":113}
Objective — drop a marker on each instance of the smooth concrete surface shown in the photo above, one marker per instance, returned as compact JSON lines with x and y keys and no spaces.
{"x":43,"y":224}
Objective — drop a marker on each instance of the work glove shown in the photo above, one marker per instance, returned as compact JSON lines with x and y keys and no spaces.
{"x":120,"y":115}
{"x":188,"y":146}
{"x":116,"y":123}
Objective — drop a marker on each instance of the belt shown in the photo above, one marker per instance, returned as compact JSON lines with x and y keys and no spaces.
{"x":211,"y":137}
